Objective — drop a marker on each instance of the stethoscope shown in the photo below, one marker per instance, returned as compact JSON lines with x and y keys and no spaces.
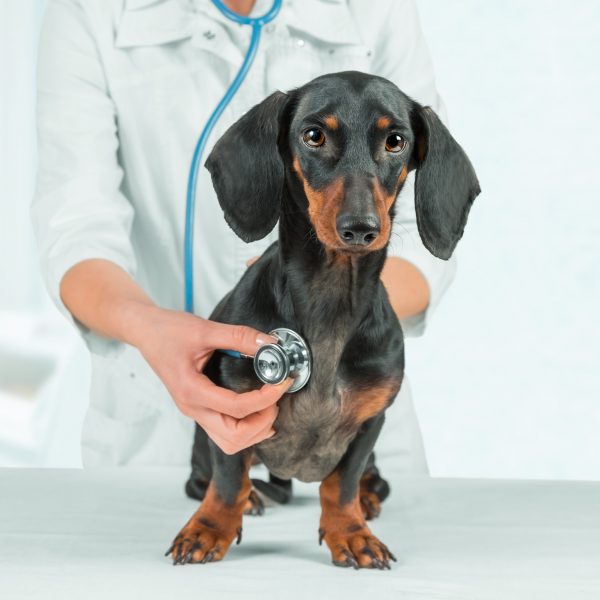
{"x":290,"y":356}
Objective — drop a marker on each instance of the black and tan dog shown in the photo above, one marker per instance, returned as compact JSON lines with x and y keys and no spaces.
{"x":327,"y":160}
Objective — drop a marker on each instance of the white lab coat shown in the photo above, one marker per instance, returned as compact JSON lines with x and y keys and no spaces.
{"x":124,"y":88}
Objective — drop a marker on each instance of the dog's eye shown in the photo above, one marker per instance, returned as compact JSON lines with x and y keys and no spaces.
{"x":395,"y":143}
{"x":313,"y":138}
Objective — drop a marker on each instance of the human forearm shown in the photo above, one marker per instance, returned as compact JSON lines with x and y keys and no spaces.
{"x":407,"y":288}
{"x":177,"y":346}
{"x":103,"y":297}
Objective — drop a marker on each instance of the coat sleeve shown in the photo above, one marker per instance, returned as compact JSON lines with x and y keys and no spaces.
{"x":402,"y":57}
{"x":78,"y":210}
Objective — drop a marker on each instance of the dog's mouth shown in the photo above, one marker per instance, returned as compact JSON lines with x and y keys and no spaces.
{"x":346,"y":250}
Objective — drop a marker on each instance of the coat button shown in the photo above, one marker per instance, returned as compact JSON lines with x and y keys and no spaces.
{"x":301,"y":43}
{"x":209,"y":35}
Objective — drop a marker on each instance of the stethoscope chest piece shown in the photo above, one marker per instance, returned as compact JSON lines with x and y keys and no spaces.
{"x":289,"y":357}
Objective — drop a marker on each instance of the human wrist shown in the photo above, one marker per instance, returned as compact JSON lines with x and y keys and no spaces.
{"x":136,"y":321}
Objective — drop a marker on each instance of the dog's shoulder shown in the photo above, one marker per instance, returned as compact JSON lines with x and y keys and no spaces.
{"x":254,"y":297}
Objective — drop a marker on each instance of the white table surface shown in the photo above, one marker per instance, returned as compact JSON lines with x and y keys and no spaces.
{"x":102,"y":534}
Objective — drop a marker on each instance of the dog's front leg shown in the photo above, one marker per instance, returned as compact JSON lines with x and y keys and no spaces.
{"x":207,"y":536}
{"x":343,"y":525}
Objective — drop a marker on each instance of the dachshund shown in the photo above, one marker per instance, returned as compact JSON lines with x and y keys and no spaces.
{"x":327,"y":160}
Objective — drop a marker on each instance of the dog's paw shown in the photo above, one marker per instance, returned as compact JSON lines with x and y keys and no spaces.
{"x":202,"y":542}
{"x":370,"y":505}
{"x":373,"y":491}
{"x":254,"y":505}
{"x":357,"y":547}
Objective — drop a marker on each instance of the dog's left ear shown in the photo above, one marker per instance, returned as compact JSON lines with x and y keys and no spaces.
{"x":445,"y":184}
{"x":247,"y":171}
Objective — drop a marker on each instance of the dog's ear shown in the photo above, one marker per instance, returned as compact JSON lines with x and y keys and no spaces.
{"x":247,"y":171}
{"x":445,"y":183}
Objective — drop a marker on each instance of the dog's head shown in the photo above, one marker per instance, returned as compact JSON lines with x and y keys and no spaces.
{"x":345,"y":143}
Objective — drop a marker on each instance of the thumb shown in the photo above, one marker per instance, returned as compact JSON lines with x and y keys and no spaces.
{"x":236,"y":337}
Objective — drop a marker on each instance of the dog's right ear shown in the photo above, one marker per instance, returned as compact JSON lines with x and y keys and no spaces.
{"x":247,"y":171}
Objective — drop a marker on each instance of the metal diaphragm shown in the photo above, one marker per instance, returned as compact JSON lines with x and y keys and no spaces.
{"x":289,"y":357}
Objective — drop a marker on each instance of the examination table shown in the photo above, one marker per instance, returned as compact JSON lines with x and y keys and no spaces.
{"x":90,"y":534}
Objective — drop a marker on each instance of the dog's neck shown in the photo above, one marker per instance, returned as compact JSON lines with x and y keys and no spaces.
{"x":326,"y":289}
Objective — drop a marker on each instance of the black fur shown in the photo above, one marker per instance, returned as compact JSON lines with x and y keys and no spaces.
{"x":250,"y":203}
{"x":445,"y":185}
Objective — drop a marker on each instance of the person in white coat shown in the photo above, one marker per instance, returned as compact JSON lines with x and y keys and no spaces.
{"x":124,"y":88}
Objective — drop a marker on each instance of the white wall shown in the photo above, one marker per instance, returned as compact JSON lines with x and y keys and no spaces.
{"x":20,"y":284}
{"x":507,"y":379}
{"x":41,"y":409}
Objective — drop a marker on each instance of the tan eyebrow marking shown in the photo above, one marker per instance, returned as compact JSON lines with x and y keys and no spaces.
{"x":331,"y":122}
{"x":383,"y":122}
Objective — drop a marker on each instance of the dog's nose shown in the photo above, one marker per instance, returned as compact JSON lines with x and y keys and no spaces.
{"x":357,"y":230}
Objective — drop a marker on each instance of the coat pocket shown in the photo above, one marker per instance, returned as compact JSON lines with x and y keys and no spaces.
{"x":127,"y":403}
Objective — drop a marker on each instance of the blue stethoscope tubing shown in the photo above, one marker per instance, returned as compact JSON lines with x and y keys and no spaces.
{"x":190,"y":207}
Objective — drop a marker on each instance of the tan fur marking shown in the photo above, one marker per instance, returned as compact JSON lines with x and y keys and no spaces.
{"x":345,"y":531}
{"x":369,"y":500}
{"x":338,"y":520}
{"x":403,"y":175}
{"x":339,"y":259}
{"x":213,"y":527}
{"x":331,"y":122}
{"x":383,"y":122}
{"x":383,"y":203}
{"x":358,"y":406}
{"x":323,"y":206}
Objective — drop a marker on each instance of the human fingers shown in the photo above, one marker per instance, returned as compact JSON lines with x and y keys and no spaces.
{"x":201,"y":391}
{"x":241,"y":338}
{"x":233,"y":435}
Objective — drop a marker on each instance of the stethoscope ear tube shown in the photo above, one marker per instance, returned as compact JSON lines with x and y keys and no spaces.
{"x":245,"y":20}
{"x":190,"y":205}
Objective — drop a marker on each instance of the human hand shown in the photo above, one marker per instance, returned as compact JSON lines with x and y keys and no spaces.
{"x":177,"y":346}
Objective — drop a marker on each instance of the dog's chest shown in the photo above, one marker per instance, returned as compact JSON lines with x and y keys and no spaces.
{"x":312,"y":429}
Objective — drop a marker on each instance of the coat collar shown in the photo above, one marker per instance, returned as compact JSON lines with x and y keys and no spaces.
{"x":155,"y":22}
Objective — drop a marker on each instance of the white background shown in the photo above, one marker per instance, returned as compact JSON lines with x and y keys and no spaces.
{"x":506,"y":379}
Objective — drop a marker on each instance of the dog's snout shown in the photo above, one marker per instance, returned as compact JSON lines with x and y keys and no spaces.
{"x":357,"y":230}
